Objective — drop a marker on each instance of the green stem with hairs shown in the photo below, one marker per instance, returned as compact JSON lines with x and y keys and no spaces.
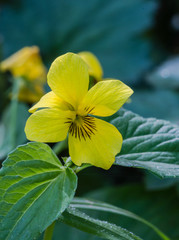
{"x":59,"y":147}
{"x":14,"y":108}
{"x":78,"y":169}
{"x":49,"y":232}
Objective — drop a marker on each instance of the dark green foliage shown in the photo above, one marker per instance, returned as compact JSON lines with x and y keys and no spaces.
{"x":113,"y":30}
{"x":148,"y":143}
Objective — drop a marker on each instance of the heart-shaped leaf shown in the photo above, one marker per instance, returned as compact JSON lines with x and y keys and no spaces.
{"x":34,"y":190}
{"x":148,"y":143}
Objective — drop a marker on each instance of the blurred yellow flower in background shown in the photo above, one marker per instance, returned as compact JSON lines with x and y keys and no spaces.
{"x":94,"y":66}
{"x":27,"y":64}
{"x":95,"y":69}
{"x":70,"y":109}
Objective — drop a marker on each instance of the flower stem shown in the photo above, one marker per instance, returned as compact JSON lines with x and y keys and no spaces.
{"x":49,"y":232}
{"x":14,"y":108}
{"x":78,"y":169}
{"x":59,"y":147}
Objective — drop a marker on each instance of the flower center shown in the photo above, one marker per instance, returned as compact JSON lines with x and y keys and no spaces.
{"x":83,"y":127}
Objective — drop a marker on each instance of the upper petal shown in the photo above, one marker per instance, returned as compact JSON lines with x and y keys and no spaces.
{"x":94,"y":66}
{"x":68,"y":78}
{"x":97,"y":144}
{"x":50,"y":100}
{"x":105,"y":98}
{"x":48,"y":125}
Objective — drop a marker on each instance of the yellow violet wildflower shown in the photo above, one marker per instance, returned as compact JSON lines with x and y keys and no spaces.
{"x":94,"y":66}
{"x":70,"y":109}
{"x":27,"y":64}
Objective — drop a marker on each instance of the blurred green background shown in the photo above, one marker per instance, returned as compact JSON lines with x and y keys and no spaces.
{"x":136,"y":41}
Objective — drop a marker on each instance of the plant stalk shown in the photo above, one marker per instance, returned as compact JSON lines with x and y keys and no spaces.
{"x":14,"y":108}
{"x":78,"y":169}
{"x":49,"y":232}
{"x":59,"y":147}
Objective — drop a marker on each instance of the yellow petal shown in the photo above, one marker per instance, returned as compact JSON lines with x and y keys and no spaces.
{"x":105,"y":98}
{"x":99,"y":148}
{"x":25,"y":63}
{"x":48,"y":125}
{"x":94,"y":66}
{"x":68,"y":78}
{"x":50,"y":100}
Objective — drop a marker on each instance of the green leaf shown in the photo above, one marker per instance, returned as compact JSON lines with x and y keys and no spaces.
{"x":97,"y":227}
{"x":158,"y":207}
{"x":34,"y":190}
{"x":148,"y":143}
{"x":153,"y":183}
{"x":9,"y":137}
{"x":90,"y":204}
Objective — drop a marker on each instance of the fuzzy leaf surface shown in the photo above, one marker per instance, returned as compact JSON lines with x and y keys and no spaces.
{"x":148,"y":143}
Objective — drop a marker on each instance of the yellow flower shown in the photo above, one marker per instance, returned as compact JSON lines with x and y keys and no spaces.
{"x":27,"y":64}
{"x":70,"y":108}
{"x":94,"y":66}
